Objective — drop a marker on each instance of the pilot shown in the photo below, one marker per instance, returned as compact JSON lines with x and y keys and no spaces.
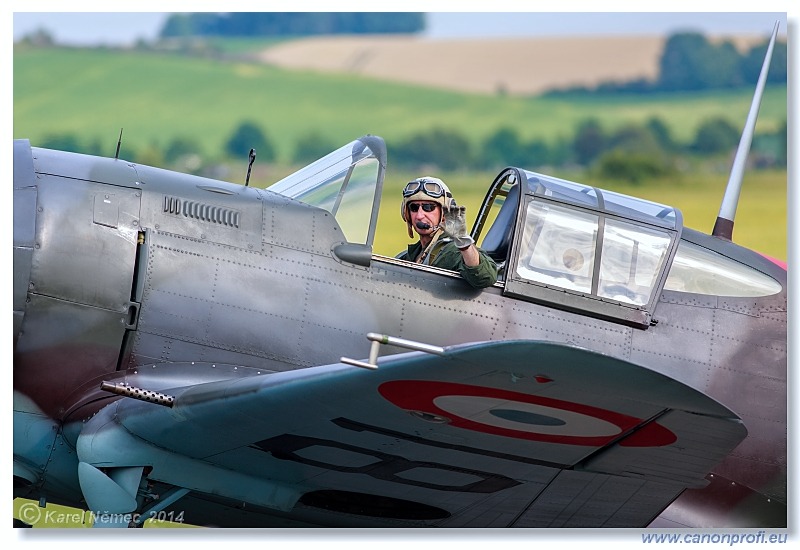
{"x":429,"y":209}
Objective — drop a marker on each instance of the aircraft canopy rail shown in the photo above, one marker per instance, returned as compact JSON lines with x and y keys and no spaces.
{"x":585,"y":249}
{"x":601,"y":200}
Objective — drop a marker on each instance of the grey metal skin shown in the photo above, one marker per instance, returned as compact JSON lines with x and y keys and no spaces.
{"x":117,"y":280}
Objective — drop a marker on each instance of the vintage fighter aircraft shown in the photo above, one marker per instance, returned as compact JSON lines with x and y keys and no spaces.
{"x":217,"y":354}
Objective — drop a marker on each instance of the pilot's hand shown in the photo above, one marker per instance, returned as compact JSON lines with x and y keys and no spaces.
{"x":455,"y":225}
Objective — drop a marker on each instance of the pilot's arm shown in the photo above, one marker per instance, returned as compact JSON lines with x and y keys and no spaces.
{"x":470,"y":255}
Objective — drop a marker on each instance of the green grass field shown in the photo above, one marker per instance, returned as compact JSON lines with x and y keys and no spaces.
{"x":156,"y":97}
{"x":761,"y":218}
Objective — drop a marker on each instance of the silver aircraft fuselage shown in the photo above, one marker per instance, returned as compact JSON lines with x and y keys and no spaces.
{"x":126,"y":273}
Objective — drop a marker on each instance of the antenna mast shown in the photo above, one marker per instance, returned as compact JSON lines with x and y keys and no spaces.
{"x":723,"y":227}
{"x":119,"y":142}
{"x":251,"y":160}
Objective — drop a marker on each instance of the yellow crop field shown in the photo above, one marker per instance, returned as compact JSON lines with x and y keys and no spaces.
{"x":761,"y":218}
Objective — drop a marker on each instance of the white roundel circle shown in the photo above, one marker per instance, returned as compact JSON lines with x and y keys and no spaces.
{"x":525,"y":417}
{"x":520,"y":415}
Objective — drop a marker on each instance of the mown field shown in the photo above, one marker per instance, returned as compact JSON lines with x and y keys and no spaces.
{"x":157,"y":97}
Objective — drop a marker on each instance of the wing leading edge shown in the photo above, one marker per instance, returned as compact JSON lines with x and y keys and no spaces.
{"x":496,"y":434}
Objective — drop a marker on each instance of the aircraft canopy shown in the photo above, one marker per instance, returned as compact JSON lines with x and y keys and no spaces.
{"x":596,"y":199}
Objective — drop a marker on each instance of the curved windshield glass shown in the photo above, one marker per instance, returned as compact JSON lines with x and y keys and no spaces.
{"x":344,"y":183}
{"x":703,"y":271}
{"x":602,"y":200}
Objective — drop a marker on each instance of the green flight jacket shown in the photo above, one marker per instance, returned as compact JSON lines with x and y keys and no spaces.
{"x":446,"y":255}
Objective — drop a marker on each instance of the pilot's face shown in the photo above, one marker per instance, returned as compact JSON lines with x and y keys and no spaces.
{"x":425,"y":216}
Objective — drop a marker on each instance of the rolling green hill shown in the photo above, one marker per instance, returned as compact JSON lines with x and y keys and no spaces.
{"x":156,"y":97}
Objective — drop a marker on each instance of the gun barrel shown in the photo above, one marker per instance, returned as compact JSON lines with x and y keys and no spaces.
{"x":138,"y":393}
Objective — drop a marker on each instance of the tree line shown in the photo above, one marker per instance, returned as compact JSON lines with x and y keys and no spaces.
{"x":269,"y":24}
{"x":634,"y":152}
{"x":691,"y":62}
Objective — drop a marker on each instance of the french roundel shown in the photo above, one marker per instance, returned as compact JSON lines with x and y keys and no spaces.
{"x":520,"y":415}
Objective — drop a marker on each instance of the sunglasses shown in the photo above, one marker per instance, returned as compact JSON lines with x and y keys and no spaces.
{"x":426,"y":206}
{"x":430,"y":188}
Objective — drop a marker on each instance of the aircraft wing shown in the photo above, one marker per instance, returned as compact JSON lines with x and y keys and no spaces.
{"x":495,"y":434}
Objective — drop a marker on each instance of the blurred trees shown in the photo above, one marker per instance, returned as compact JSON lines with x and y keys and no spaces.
{"x":249,"y":135}
{"x":63,"y":142}
{"x":311,"y":147}
{"x":438,"y":148}
{"x":589,"y":142}
{"x":690,"y":62}
{"x":715,"y":135}
{"x":633,"y":152}
{"x":266,"y":24}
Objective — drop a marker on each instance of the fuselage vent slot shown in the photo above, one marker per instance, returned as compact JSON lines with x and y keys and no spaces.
{"x":202,"y":211}
{"x":172,"y":205}
{"x":211,"y":213}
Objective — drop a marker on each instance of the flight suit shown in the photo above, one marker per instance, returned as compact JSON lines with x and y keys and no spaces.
{"x":446,"y":255}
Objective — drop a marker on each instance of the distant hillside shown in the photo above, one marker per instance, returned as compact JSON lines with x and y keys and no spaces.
{"x":158,"y":98}
{"x":514,"y":66}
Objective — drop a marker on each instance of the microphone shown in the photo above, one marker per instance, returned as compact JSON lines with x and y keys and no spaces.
{"x":422,"y":225}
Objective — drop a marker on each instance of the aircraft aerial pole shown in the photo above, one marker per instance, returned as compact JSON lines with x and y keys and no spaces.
{"x":723,"y":227}
{"x":251,"y":160}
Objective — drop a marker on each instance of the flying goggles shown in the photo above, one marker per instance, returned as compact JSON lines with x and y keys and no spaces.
{"x":428,"y":186}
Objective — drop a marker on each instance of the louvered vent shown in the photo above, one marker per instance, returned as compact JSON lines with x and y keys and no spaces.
{"x":202,"y":211}
{"x":172,"y":205}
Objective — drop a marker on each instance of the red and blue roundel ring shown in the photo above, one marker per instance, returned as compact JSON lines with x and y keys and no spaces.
{"x":522,"y":416}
